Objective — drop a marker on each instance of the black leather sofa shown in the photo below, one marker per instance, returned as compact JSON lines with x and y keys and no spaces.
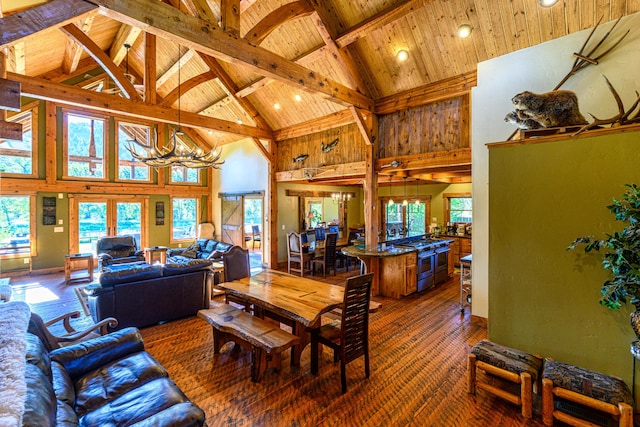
{"x":201,"y":249}
{"x":106,"y":381}
{"x":113,"y":250}
{"x":141,"y":294}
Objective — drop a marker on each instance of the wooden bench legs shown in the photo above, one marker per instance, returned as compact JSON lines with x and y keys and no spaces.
{"x":265,"y":340}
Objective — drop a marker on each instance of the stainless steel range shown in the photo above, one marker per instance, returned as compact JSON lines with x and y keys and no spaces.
{"x":432,"y":263}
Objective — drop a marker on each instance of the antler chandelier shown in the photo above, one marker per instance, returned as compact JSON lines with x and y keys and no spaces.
{"x":175,"y":154}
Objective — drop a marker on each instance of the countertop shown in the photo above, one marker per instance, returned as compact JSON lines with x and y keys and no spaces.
{"x":359,"y":252}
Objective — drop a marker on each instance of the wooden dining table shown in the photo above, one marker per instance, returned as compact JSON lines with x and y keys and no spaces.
{"x":299,"y":299}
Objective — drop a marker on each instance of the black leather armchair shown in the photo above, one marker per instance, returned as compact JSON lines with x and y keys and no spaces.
{"x":117,"y":250}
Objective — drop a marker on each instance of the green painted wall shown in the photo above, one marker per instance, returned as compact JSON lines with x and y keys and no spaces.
{"x":543,"y":298}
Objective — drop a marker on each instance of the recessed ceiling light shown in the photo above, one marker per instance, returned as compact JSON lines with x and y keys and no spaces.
{"x":276,"y":106}
{"x":464,"y":31}
{"x":239,"y":120}
{"x":402,"y":55}
{"x":297,"y":97}
{"x":210,"y":132}
{"x":548,"y":3}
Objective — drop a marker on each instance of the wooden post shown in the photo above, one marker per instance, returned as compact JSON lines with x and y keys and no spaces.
{"x":271,"y":239}
{"x":9,"y":100}
{"x":370,"y":185}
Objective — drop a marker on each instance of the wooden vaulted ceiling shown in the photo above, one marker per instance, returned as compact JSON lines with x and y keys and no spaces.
{"x":235,"y":59}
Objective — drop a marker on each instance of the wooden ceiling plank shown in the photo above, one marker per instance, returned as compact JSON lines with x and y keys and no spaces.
{"x":73,"y":50}
{"x":278,"y":17}
{"x":186,"y":86}
{"x":127,"y":35}
{"x":150,"y":77}
{"x":70,"y":95}
{"x":101,"y":58}
{"x":58,"y":75}
{"x":246,"y":4}
{"x":168,"y":22}
{"x":53,"y":14}
{"x":230,"y":16}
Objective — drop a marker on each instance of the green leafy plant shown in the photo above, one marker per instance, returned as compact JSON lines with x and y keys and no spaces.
{"x":620,"y":252}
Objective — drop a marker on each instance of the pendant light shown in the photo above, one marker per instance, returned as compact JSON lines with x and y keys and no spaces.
{"x":405,"y":202}
{"x":391,"y":202}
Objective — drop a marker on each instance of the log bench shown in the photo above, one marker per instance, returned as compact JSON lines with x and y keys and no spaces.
{"x":265,"y":340}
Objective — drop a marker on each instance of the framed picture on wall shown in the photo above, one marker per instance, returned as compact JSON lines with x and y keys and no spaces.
{"x":159,"y":213}
{"x":48,"y":211}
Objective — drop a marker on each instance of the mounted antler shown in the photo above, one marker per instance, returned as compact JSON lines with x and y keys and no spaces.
{"x":622,"y":118}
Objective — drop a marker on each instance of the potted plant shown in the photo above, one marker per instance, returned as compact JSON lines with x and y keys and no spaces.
{"x":620,"y":255}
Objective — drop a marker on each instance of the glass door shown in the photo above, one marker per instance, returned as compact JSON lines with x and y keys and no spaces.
{"x":92,"y":218}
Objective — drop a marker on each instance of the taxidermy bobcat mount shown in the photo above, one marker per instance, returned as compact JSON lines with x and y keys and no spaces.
{"x":545,"y":110}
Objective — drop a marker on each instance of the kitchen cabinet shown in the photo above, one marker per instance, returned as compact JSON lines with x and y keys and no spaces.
{"x":398,"y":275}
{"x":460,"y":248}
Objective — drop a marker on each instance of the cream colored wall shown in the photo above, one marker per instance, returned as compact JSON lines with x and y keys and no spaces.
{"x":539,"y":69}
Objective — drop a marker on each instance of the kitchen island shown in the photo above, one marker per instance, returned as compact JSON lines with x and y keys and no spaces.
{"x":404,"y":265}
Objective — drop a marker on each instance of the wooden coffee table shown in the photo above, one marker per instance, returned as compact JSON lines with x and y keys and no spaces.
{"x":74,"y":258}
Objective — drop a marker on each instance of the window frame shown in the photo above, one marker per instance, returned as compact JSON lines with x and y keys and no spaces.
{"x":33,"y":109}
{"x":65,"y":144}
{"x":171,"y":219}
{"x":185,"y":169}
{"x":447,"y":204}
{"x":384,"y":202}
{"x":32,"y":227}
{"x":117,"y":124}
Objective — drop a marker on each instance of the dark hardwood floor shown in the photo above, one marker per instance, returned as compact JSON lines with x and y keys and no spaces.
{"x":419,"y":346}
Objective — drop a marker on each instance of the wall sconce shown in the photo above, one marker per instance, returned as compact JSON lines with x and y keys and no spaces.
{"x":464,"y":30}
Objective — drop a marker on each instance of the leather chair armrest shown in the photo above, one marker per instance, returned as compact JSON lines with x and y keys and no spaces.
{"x":139,"y":253}
{"x":78,"y":359}
{"x":175,"y":251}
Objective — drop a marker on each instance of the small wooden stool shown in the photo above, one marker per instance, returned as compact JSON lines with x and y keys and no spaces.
{"x":580,"y":397}
{"x":509,"y":364}
{"x":69,"y":259}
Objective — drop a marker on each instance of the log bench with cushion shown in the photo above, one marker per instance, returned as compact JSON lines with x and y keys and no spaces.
{"x":582,"y":397}
{"x":264,"y":339}
{"x":509,"y":364}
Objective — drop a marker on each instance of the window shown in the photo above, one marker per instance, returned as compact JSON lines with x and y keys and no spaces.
{"x":458,"y":208}
{"x":184,"y":218}
{"x":128,"y":167}
{"x":15,"y":225}
{"x":416,"y":217}
{"x":19,"y":156}
{"x":314,"y":212}
{"x":411,"y":217}
{"x":182,"y":174}
{"x":84,"y":150}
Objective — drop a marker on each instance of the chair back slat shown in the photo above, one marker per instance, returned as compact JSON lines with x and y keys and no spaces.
{"x":355,"y":317}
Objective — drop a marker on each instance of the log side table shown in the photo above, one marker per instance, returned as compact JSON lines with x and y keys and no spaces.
{"x":68,"y":264}
{"x":149,"y":254}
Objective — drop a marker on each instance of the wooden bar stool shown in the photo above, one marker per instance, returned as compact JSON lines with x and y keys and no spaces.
{"x":581,"y":397}
{"x":509,"y":364}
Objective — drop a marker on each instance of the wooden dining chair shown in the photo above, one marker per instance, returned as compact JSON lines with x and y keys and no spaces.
{"x":236,"y":266}
{"x":350,"y":339}
{"x":296,"y":254}
{"x":328,"y":258}
{"x":39,"y":327}
{"x":257,"y":235}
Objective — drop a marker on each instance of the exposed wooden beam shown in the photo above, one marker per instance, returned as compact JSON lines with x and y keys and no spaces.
{"x":150,"y":94}
{"x":73,"y":50}
{"x":320,"y":124}
{"x":127,"y":35}
{"x":101,"y":58}
{"x":53,"y":14}
{"x":217,"y":105}
{"x":167,"y":22}
{"x":70,"y":95}
{"x":460,"y":156}
{"x":16,"y":58}
{"x":263,"y":150}
{"x":384,"y":17}
{"x":173,"y":70}
{"x":323,"y":173}
{"x":58,"y":75}
{"x":231,"y":88}
{"x":186,"y":86}
{"x":278,"y":17}
{"x":230,"y":16}
{"x":9,"y":91}
{"x":444,"y":89}
{"x":246,"y":4}
{"x":365,"y":130}
{"x":201,"y":8}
